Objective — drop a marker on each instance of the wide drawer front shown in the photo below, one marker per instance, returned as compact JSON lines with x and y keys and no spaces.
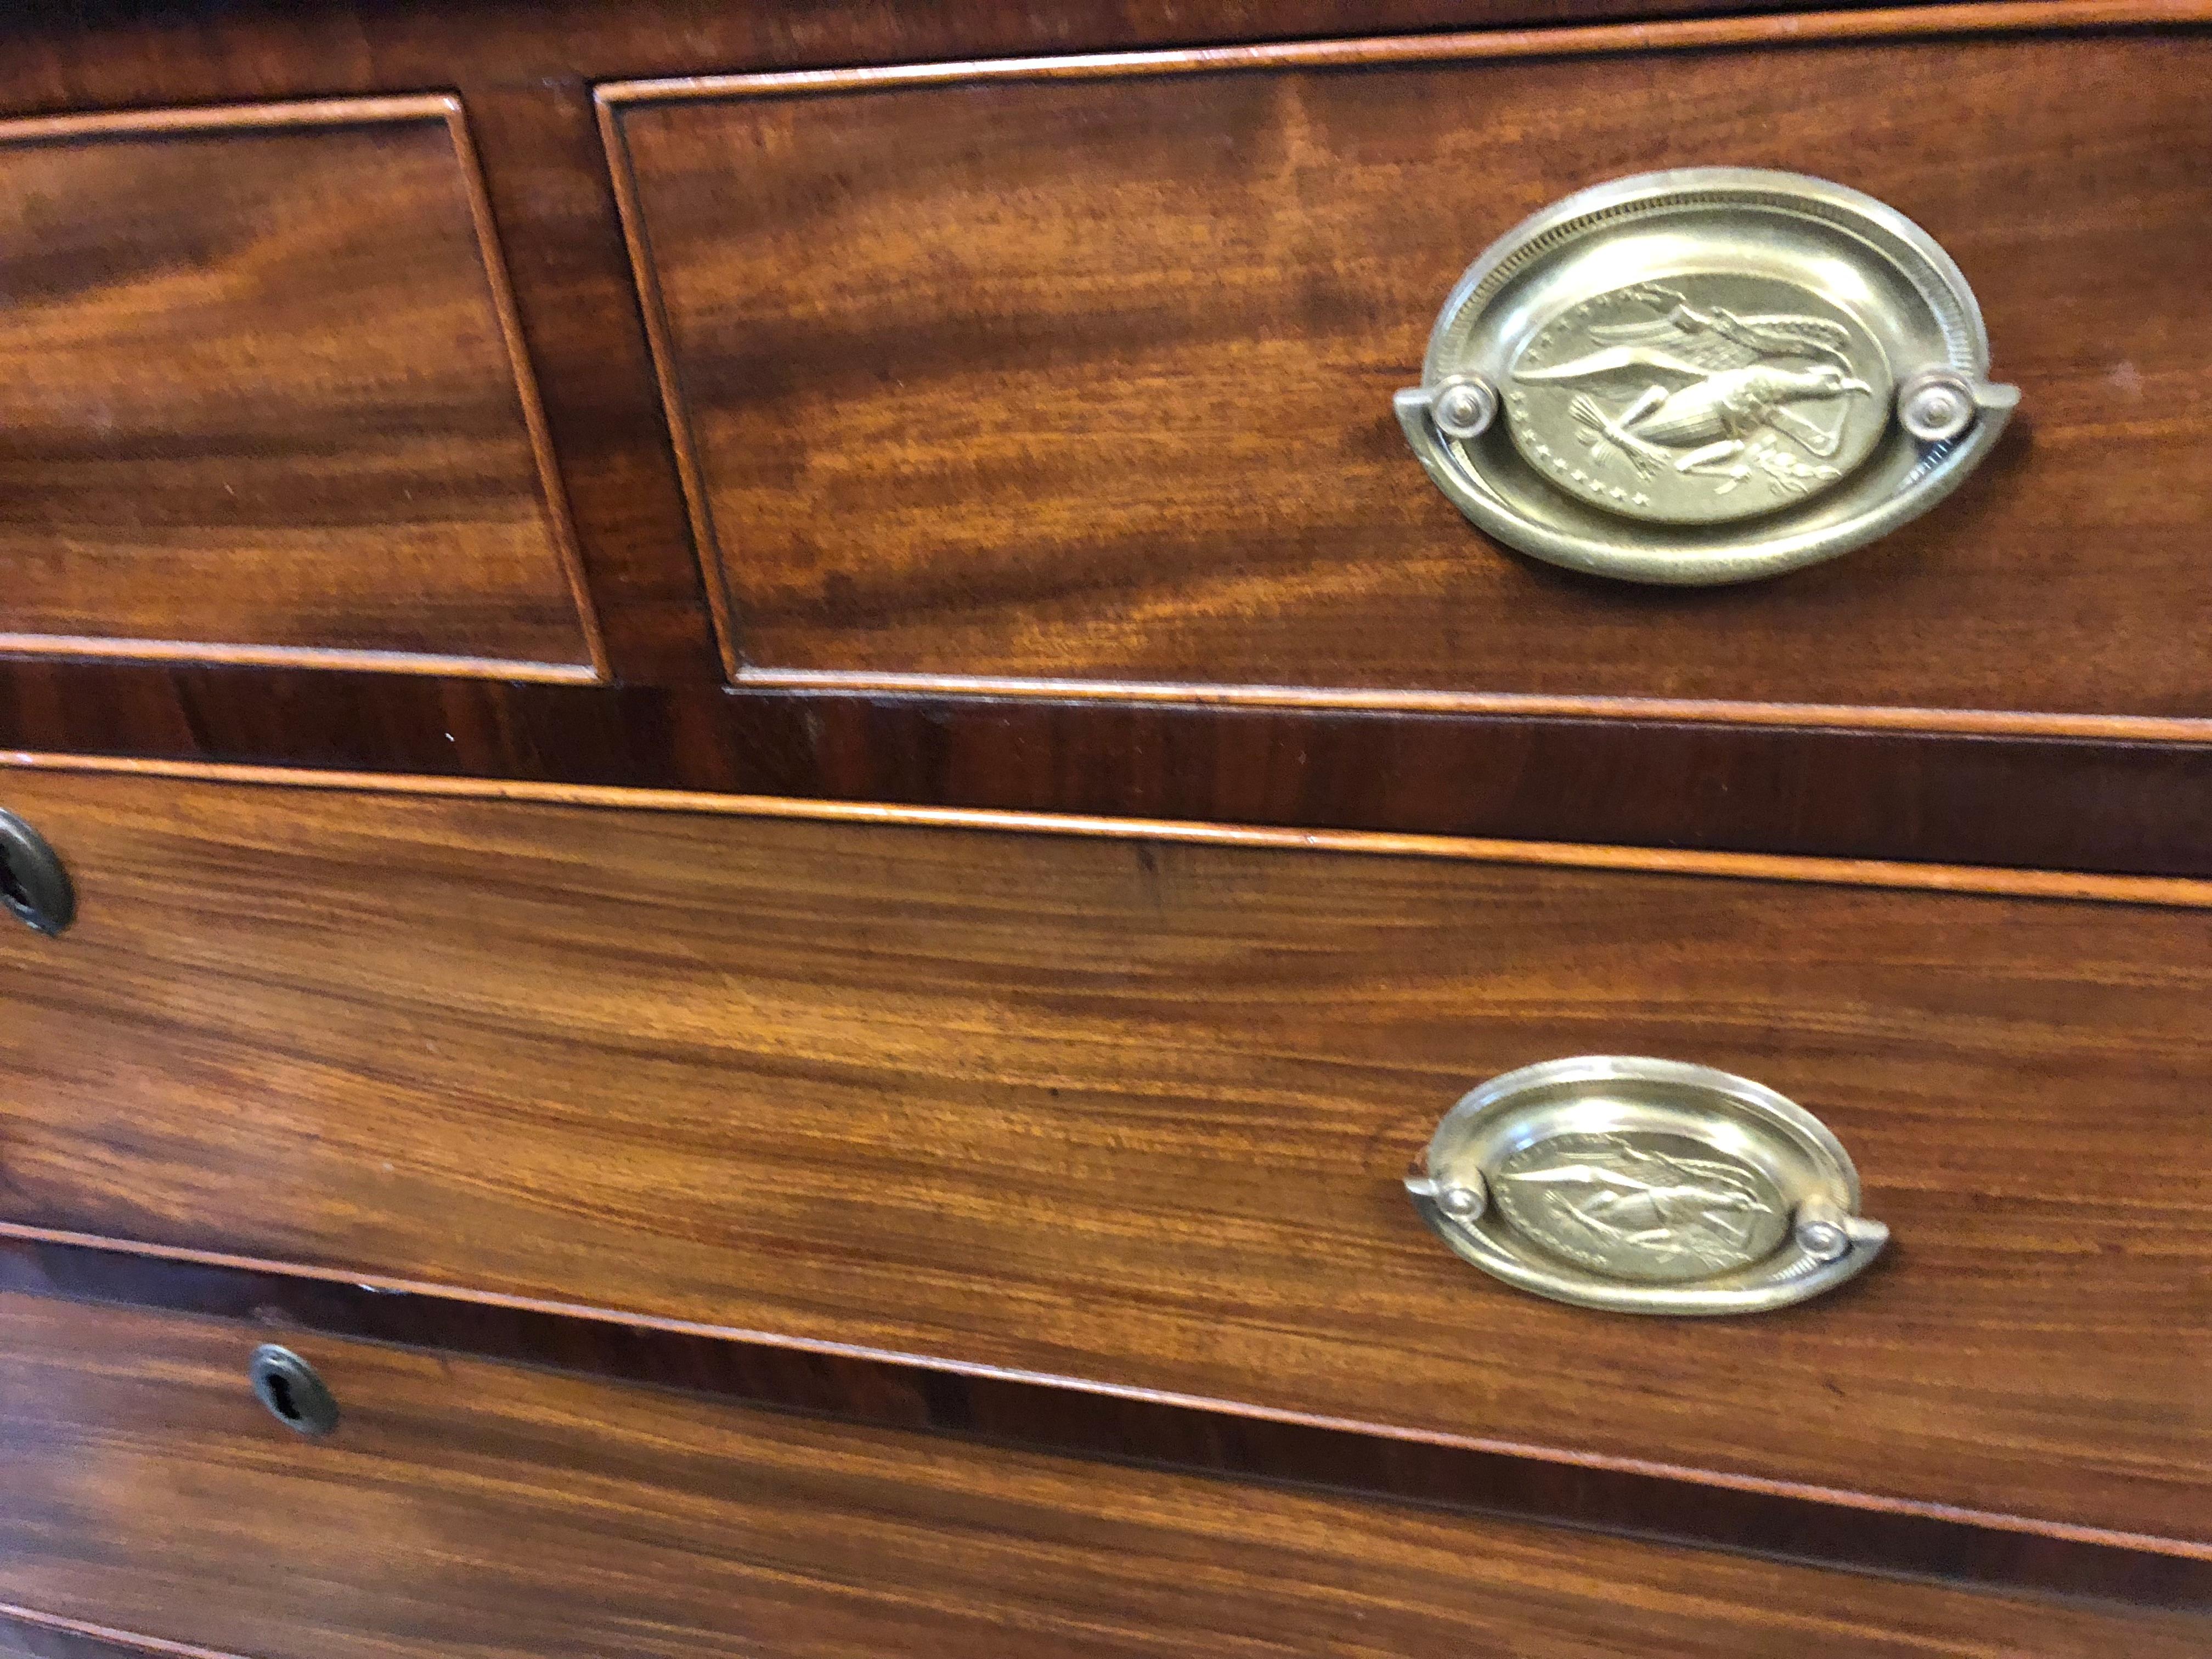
{"x":461,"y":1506}
{"x":1082,"y":370}
{"x":265,"y":399}
{"x":1133,"y":1110}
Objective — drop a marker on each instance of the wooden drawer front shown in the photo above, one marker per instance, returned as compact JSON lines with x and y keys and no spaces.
{"x":263,"y":399}
{"x":1084,"y":373}
{"x":1132,"y":1110}
{"x":467,"y":1507}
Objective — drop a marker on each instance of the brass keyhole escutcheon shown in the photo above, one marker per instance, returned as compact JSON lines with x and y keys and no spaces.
{"x":33,"y":884}
{"x":293,"y":1390}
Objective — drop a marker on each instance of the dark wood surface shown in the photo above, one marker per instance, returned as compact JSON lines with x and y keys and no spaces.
{"x":264,"y":403}
{"x":115,"y":52}
{"x":1088,"y":379}
{"x":1132,"y":1111}
{"x":523,"y":73}
{"x":525,"y":76}
{"x":1006,"y":1410}
{"x":464,"y":1506}
{"x":2064,"y":803}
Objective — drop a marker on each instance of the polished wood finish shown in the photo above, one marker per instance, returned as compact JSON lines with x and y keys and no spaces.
{"x":267,"y":401}
{"x":940,"y":425}
{"x":1132,"y":1111}
{"x":524,"y":68}
{"x":567,"y":1517}
{"x":525,"y":72}
{"x":1854,"y":872}
{"x":1009,"y":1410}
{"x":2136,"y":808}
{"x":329,"y":983}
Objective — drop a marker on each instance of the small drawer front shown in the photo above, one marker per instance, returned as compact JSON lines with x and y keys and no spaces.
{"x":461,"y":1506}
{"x":1132,"y":1110}
{"x":264,"y":400}
{"x":1081,"y":371}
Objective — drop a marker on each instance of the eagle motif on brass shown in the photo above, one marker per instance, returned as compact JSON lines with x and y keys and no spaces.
{"x":1628,"y":1206}
{"x":1709,"y":384}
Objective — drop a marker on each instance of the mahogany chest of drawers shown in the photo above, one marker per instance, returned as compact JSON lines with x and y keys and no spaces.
{"x":1140,"y":829}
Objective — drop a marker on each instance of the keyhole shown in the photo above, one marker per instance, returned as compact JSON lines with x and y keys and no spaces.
{"x":279,"y":1398}
{"x":33,"y":886}
{"x":295,"y":1394}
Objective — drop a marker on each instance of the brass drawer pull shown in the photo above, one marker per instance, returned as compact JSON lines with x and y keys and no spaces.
{"x":1645,"y":1186}
{"x":1705,"y":376}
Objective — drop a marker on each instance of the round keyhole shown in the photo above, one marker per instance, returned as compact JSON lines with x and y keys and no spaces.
{"x":33,"y":886}
{"x":295,"y":1395}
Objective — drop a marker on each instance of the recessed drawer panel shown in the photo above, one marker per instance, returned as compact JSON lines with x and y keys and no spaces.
{"x":1082,"y":370}
{"x":463,"y":1507}
{"x":1133,"y":1111}
{"x":264,"y":400}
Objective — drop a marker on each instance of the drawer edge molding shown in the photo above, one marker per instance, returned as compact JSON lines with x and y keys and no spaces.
{"x":77,"y":1639}
{"x":1839,"y":717}
{"x":1590,"y":40}
{"x":1811,"y":789}
{"x":2173,"y":891}
{"x":312,"y":658}
{"x":1776,"y":1520}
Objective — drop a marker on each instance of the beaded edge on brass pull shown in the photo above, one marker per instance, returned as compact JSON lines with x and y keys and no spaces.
{"x":1645,"y":1186}
{"x":1703,"y":376}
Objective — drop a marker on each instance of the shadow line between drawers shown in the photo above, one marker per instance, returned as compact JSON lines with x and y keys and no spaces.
{"x":2175,"y":891}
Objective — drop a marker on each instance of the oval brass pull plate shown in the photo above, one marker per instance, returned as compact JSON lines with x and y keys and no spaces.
{"x":1705,"y":376}
{"x":1645,"y":1186}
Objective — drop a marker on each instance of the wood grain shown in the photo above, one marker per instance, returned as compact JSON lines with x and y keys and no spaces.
{"x":1852,"y":872}
{"x":525,"y":72}
{"x":1632,"y":775}
{"x":2135,"y":808}
{"x":1015,"y":1410}
{"x":268,"y":401}
{"x":1132,"y":1112}
{"x":505,"y":1512}
{"x":944,"y":422}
